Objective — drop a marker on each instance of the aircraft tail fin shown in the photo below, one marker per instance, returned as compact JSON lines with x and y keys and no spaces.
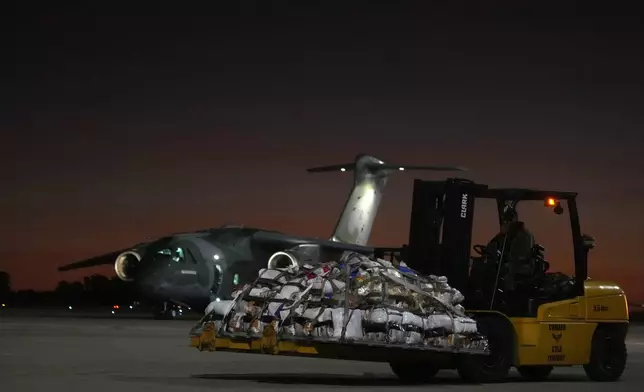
{"x":370,"y":178}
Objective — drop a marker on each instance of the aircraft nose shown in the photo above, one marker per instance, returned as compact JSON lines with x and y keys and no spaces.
{"x":149,"y":283}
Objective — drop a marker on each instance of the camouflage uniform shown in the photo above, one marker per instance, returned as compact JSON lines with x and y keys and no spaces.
{"x":517,"y":254}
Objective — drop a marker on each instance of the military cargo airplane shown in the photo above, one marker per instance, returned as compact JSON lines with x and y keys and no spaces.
{"x":193,"y":269}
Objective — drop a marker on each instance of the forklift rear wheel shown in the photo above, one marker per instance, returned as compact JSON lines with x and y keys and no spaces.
{"x":607,"y":355}
{"x":494,"y":367}
{"x":414,"y":372}
{"x":535,"y":373}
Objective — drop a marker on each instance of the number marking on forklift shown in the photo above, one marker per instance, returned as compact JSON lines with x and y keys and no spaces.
{"x":600,"y":308}
{"x":557,"y":349}
{"x":556,"y":358}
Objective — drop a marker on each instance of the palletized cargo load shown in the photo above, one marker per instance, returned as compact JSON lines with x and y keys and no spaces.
{"x":356,"y":302}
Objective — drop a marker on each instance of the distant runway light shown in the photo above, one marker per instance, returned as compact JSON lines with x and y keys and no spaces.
{"x":112,"y":312}
{"x":70,"y":308}
{"x":401,"y":168}
{"x":343,"y":169}
{"x":131,"y":306}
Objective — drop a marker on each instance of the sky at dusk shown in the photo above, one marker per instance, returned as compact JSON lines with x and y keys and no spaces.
{"x":120,"y":129}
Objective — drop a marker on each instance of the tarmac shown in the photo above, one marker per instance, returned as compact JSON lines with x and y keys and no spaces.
{"x":129,"y":354}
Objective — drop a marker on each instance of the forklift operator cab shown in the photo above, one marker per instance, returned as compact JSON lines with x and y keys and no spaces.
{"x":514,"y":246}
{"x":511,"y":272}
{"x":535,"y":320}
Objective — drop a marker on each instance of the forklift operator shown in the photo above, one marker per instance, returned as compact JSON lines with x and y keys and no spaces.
{"x":517,"y":254}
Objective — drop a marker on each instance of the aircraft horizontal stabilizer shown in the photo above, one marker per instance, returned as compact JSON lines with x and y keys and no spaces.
{"x":375,"y":164}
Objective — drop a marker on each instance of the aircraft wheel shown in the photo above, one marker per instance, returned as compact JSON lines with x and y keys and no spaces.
{"x":162,"y":312}
{"x":414,"y":372}
{"x":494,"y":367}
{"x":535,"y":373}
{"x":607,"y":355}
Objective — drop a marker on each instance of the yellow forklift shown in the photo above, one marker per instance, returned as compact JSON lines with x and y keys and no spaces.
{"x":541,"y":320}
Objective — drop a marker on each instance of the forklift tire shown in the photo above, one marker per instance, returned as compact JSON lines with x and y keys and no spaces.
{"x":492,"y":368}
{"x":607,"y":355}
{"x":535,"y":373}
{"x":414,"y":373}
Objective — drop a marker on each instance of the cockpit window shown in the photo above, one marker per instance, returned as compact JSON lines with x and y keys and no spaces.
{"x":176,"y":254}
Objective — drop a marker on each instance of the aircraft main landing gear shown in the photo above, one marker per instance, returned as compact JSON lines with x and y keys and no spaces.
{"x":164,"y":311}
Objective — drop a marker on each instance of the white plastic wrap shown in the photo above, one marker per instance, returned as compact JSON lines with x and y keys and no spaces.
{"x":272,"y":274}
{"x":261,"y":292}
{"x":427,"y":287}
{"x":281,"y":310}
{"x":384,"y":316}
{"x":397,"y":336}
{"x":464,"y":326}
{"x":373,"y":264}
{"x":328,"y":285}
{"x":457,"y":297}
{"x":317,"y":314}
{"x":410,"y":319}
{"x":289,"y":292}
{"x":386,"y":263}
{"x":413,"y":338}
{"x":354,"y":325}
{"x":323,"y":331}
{"x":437,"y":321}
{"x":220,"y":307}
{"x":444,"y":296}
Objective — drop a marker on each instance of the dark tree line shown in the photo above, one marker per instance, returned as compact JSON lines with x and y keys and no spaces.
{"x":5,"y":286}
{"x":95,"y":290}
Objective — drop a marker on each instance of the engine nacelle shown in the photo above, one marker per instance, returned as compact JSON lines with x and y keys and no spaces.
{"x":283,"y":260}
{"x":125,"y":264}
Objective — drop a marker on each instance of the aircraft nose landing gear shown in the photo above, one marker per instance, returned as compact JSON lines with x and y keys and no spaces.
{"x":164,"y":311}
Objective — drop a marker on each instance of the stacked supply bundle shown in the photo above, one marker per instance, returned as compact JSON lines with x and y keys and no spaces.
{"x":357,"y":298}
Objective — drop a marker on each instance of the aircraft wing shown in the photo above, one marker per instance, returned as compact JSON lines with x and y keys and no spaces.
{"x":105,"y":259}
{"x":287,"y":241}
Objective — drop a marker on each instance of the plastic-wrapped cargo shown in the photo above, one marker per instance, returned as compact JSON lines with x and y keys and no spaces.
{"x":356,"y":298}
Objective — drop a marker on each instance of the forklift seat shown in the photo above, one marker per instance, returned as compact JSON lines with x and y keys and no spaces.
{"x":540,"y":265}
{"x":527,"y":287}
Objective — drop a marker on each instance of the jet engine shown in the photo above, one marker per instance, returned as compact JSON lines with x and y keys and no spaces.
{"x":125,"y":264}
{"x":283,"y":260}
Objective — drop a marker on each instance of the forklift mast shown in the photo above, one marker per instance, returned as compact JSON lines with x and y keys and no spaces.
{"x":440,"y":233}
